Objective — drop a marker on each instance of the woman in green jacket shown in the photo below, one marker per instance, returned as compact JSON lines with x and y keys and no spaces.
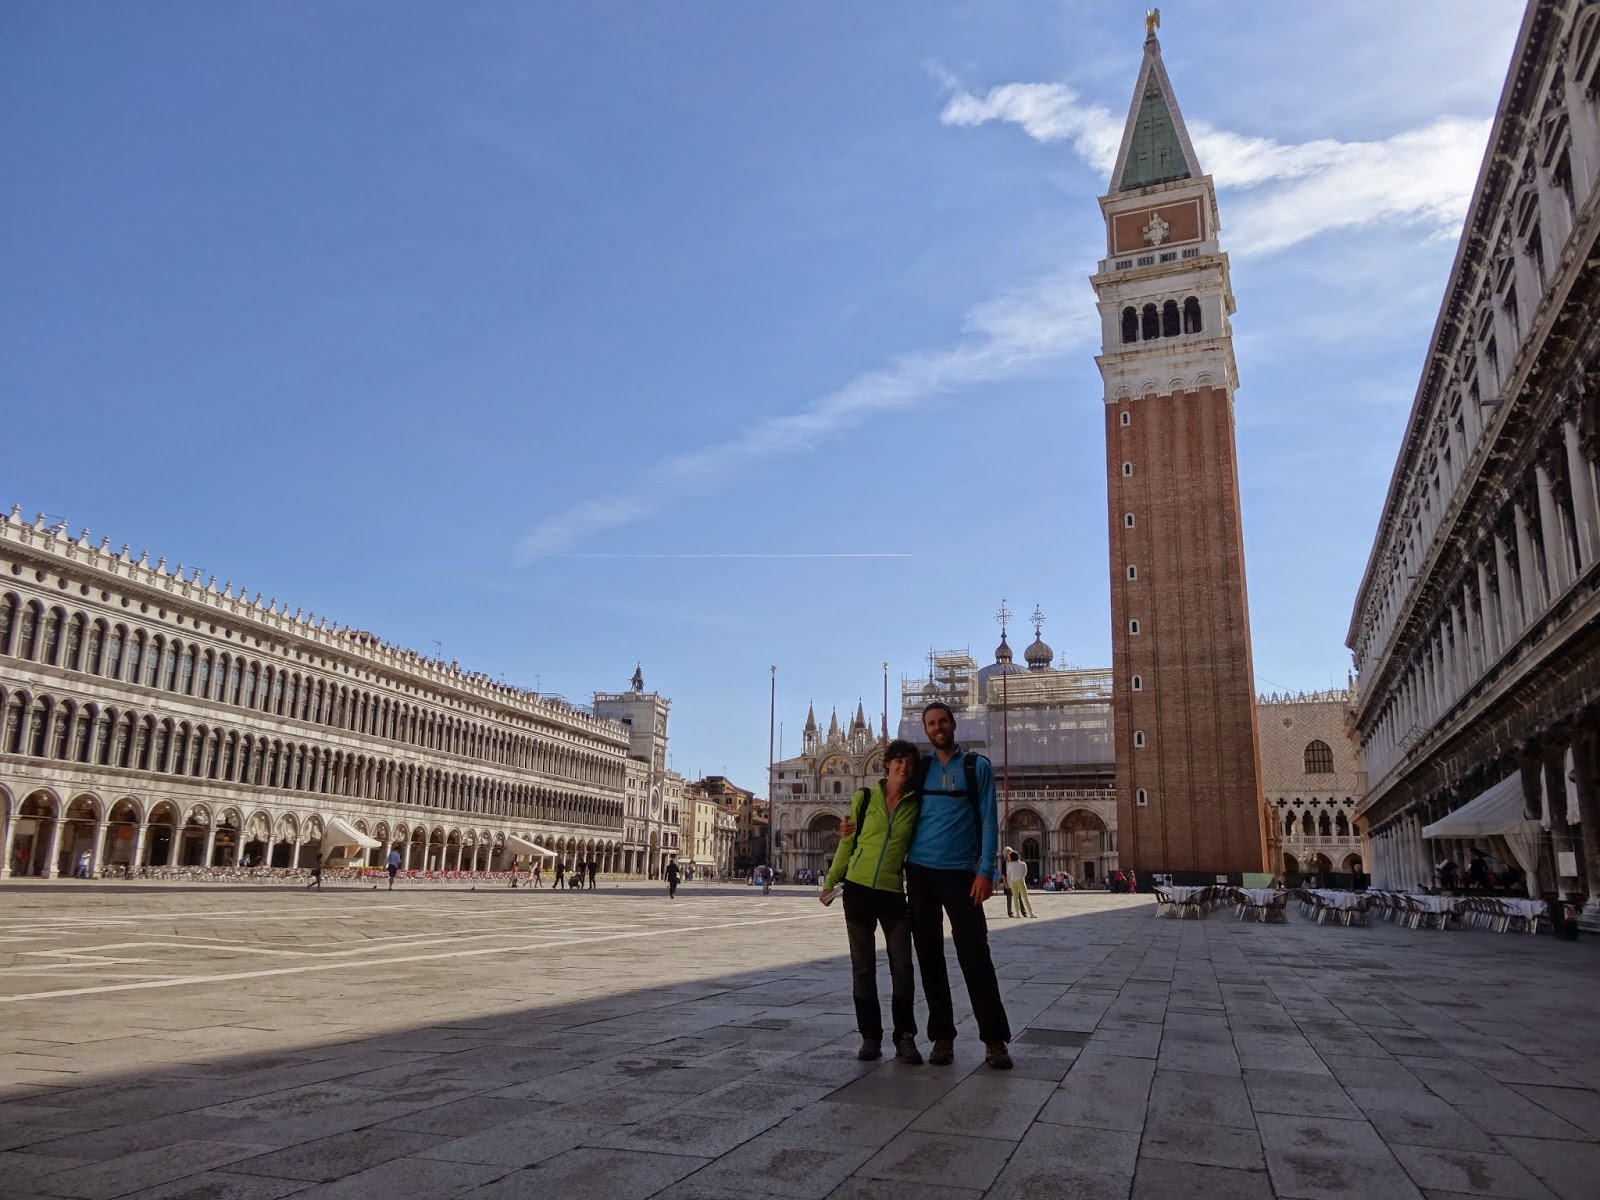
{"x":868,"y":861}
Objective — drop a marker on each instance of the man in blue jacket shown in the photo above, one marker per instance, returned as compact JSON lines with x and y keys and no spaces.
{"x":951,"y":869}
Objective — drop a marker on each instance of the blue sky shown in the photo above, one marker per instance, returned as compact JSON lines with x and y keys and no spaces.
{"x":517,"y":328}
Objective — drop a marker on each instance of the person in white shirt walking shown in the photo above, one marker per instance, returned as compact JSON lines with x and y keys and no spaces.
{"x":1017,"y":884}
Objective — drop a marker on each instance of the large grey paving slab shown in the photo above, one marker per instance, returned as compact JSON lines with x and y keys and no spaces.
{"x":690,"y":1049}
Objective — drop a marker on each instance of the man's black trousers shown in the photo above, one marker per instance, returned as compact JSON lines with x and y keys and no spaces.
{"x":931,"y":895}
{"x":865,"y":910}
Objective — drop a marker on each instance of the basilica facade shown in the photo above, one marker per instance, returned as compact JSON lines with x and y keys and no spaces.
{"x":149,"y":717}
{"x":1046,"y":729}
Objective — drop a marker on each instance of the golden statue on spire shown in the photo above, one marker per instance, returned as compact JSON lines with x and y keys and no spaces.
{"x":1152,"y":22}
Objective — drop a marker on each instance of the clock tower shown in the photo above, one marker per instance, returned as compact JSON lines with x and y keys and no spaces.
{"x":1187,"y":746}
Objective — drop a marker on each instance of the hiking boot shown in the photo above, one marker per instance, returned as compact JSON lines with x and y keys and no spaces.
{"x":995,"y":1056}
{"x":871,"y":1048}
{"x":905,"y":1050}
{"x":943,"y":1052}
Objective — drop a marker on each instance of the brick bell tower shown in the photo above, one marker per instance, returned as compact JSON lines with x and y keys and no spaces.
{"x":1188,"y":749}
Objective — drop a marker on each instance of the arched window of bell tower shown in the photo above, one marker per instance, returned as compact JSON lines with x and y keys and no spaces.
{"x":1152,"y":323}
{"x":1191,"y":315}
{"x":1130,"y":324}
{"x":1169,"y":319}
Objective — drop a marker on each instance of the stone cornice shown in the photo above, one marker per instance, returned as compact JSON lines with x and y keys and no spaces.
{"x":51,"y":546}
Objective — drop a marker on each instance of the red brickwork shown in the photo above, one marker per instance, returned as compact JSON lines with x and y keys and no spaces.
{"x":1196,"y":708}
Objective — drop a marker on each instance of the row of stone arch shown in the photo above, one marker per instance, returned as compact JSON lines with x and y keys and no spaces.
{"x":1169,"y":320}
{"x":1321,"y":864}
{"x":68,"y":730}
{"x":45,"y":833}
{"x":1306,"y":823}
{"x":75,"y":641}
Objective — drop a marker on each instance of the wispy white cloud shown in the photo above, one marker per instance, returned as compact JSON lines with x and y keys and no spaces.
{"x":1291,"y":192}
{"x":1010,"y":334}
{"x":1298,"y":190}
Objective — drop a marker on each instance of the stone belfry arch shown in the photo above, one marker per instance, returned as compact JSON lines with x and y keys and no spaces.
{"x":1187,"y":745}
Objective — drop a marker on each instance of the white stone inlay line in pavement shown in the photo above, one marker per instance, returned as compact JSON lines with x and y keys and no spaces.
{"x":389,"y":962}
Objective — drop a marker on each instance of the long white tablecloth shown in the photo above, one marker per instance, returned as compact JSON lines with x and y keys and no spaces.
{"x":1340,"y":900}
{"x":1180,"y":894}
{"x":1259,"y":896}
{"x":1526,"y":909}
{"x":1434,"y":904}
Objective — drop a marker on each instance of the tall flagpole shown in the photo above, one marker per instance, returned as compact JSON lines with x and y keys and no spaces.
{"x":772,"y":724}
{"x":1004,"y":616}
{"x":885,"y":706}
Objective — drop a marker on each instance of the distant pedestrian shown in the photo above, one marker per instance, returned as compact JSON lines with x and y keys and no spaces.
{"x":1005,"y":857}
{"x":673,"y":875}
{"x":594,"y":869}
{"x":537,"y":881}
{"x":393,"y":865}
{"x":316,"y":875}
{"x":82,"y":870}
{"x":1017,"y":884}
{"x":561,"y":870}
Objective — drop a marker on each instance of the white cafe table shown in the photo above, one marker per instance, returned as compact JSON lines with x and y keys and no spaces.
{"x":1180,"y":894}
{"x":1339,"y":900}
{"x":1434,"y":904}
{"x":1260,"y":897}
{"x":1526,"y":909}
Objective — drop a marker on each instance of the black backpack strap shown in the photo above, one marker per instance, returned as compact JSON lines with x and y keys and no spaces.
{"x":969,"y":766}
{"x":863,"y":798}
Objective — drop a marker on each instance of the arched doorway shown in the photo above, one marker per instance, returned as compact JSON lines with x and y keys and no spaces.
{"x":1351,"y":864}
{"x":257,"y":833}
{"x":286,"y":841}
{"x":821,"y":841}
{"x":1032,"y":854}
{"x":1291,"y":865}
{"x":191,"y":844}
{"x":1025,"y":834}
{"x":225,"y":848}
{"x":310,"y":843}
{"x":435,"y":860}
{"x":122,"y":834}
{"x":1085,"y":845}
{"x":1318,"y":866}
{"x":31,"y":833}
{"x":160,"y":841}
{"x":77,"y":834}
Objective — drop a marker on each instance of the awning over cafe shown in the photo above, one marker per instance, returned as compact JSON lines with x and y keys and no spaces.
{"x":1497,"y":812}
{"x":521,"y":845}
{"x":341,"y":833}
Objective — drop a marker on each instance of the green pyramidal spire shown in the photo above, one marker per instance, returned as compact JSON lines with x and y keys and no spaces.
{"x":1155,"y":155}
{"x":1155,"y":144}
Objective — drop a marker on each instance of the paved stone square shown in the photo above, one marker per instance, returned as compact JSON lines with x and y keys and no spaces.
{"x":252,"y":1043}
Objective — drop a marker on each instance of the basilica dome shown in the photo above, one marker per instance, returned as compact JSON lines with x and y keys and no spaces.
{"x":1039,"y":655}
